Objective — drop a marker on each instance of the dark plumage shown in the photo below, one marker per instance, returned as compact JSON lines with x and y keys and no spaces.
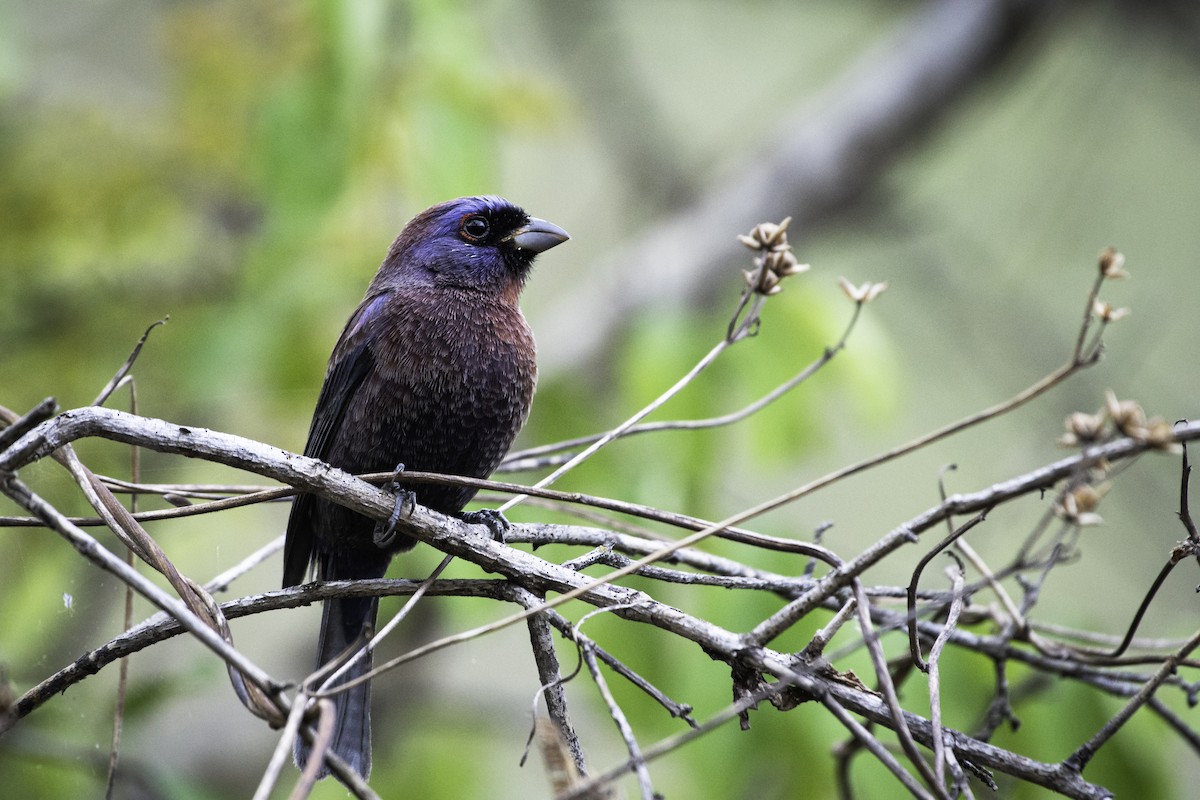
{"x":435,"y":370}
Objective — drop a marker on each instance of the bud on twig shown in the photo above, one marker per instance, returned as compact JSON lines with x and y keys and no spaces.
{"x":861,"y":294}
{"x":1107,"y":312}
{"x":1078,"y":506}
{"x":1112,"y":264}
{"x":777,"y":260}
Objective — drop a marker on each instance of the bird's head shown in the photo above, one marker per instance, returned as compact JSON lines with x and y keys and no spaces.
{"x":478,"y":243}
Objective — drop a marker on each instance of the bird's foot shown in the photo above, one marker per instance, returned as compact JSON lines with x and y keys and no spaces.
{"x":493,"y":519}
{"x":385,"y":532}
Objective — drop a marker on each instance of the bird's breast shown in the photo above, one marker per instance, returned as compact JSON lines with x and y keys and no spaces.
{"x":463,"y":343}
{"x":452,"y":384}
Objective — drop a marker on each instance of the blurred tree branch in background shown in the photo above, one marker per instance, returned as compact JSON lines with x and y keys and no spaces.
{"x":827,"y":153}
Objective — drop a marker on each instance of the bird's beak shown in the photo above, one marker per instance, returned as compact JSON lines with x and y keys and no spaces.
{"x":538,"y":235}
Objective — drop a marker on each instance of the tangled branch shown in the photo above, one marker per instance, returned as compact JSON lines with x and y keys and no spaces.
{"x":934,"y":760}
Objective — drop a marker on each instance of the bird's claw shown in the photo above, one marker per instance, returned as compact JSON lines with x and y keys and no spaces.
{"x":385,"y":533}
{"x":493,"y":519}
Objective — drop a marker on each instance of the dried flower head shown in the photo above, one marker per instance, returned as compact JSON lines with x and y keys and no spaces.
{"x":1078,"y":506}
{"x":1161,"y":434}
{"x":1112,"y":264}
{"x":1107,"y":312}
{"x":762,"y":281}
{"x":861,"y":294}
{"x":776,"y":261}
{"x":1127,"y":415}
{"x":766,"y":235}
{"x":1083,"y":428}
{"x":783,"y":263}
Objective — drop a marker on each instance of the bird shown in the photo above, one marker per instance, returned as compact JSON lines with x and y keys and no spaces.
{"x":435,"y":372}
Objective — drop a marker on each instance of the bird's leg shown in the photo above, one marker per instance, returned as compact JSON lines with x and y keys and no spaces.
{"x":385,"y":532}
{"x":493,"y":519}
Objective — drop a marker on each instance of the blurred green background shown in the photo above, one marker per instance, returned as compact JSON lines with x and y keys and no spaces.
{"x":242,"y":167}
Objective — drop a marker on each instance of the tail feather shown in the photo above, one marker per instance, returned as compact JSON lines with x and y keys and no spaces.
{"x":346,"y":622}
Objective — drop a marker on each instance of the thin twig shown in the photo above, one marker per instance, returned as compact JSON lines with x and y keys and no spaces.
{"x":622,"y":722}
{"x":122,"y":373}
{"x":934,"y":670}
{"x":127,"y":616}
{"x":888,"y":689}
{"x":546,"y":660}
{"x":914,"y":646}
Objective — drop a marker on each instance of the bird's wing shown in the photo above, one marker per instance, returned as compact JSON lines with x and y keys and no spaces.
{"x":352,"y":360}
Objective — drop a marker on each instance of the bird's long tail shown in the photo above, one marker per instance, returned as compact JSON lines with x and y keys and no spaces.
{"x":346,"y":622}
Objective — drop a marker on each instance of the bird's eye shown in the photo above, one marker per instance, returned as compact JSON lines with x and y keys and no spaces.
{"x":475,"y":228}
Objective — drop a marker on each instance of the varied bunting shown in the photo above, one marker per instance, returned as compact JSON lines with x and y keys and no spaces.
{"x":434,"y":371}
